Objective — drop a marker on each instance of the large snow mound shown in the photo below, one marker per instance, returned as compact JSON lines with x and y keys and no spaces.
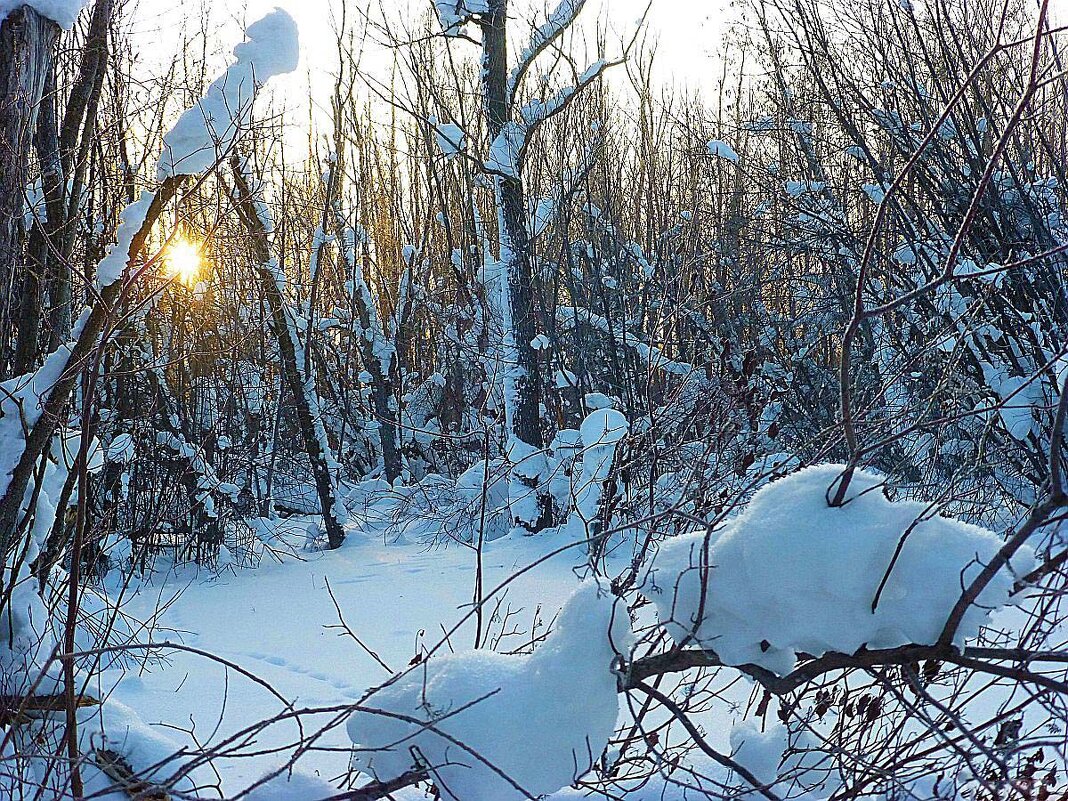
{"x":792,"y":574}
{"x":206,"y":132}
{"x":63,"y":12}
{"x":540,"y":720}
{"x":152,"y":755}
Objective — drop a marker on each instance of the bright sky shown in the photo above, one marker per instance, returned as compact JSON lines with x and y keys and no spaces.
{"x":688,"y":30}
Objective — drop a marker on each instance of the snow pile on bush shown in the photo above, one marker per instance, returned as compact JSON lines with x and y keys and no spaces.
{"x":206,"y":131}
{"x":600,"y":435}
{"x":62,"y":12}
{"x":602,"y":431}
{"x":792,"y":574}
{"x":540,"y":720}
{"x":454,"y":13}
{"x":783,"y":765}
{"x":153,"y":756}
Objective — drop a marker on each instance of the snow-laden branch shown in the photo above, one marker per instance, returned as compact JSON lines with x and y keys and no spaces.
{"x":63,"y":12}
{"x":205,"y":133}
{"x":560,"y":19}
{"x":495,"y":727}
{"x":454,"y":14}
{"x":794,"y":575}
{"x":286,"y":324}
{"x":508,"y":148}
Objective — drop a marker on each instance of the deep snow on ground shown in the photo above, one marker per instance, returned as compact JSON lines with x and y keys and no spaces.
{"x":274,"y":621}
{"x":402,"y":598}
{"x":543,"y":719}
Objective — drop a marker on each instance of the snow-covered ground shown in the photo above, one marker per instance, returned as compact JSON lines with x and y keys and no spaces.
{"x":312,"y":631}
{"x":277,"y":621}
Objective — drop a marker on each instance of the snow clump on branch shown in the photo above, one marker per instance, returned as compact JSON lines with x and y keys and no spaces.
{"x":792,"y":574}
{"x":492,"y":727}
{"x":63,"y":12}
{"x":206,"y":132}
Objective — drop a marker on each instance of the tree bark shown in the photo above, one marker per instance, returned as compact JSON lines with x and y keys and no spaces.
{"x":43,"y":242}
{"x":299,"y":383}
{"x":26,"y":50}
{"x":515,"y":237}
{"x":74,"y":143}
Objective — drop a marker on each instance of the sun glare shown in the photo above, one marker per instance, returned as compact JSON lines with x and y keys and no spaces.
{"x":183,"y":261}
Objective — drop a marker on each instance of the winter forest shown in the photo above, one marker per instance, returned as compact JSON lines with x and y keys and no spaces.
{"x":479,"y":400}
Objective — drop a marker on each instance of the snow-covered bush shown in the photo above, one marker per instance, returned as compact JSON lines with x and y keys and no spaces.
{"x":490,"y":727}
{"x":792,"y":574}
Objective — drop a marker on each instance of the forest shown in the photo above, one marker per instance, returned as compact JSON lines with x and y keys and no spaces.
{"x":448,"y":400}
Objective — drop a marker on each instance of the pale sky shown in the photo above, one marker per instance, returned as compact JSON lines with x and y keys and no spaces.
{"x":688,"y":30}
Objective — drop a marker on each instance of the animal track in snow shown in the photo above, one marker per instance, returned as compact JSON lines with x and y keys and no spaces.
{"x":300,"y":670}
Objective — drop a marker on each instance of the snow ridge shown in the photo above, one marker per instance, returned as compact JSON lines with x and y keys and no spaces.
{"x":206,"y":131}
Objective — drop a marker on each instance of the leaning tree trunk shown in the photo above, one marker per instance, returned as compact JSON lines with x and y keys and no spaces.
{"x":308,"y":418}
{"x":26,"y":44}
{"x":69,"y":365}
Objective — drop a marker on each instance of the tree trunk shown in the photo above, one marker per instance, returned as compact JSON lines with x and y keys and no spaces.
{"x":523,"y":379}
{"x":26,"y":45}
{"x":43,"y":240}
{"x":515,"y":237}
{"x":300,"y":384}
{"x":74,"y":143}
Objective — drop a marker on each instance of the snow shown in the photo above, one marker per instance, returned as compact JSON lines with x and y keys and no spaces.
{"x":152,"y":754}
{"x":276,"y":623}
{"x":290,"y":785}
{"x":450,"y":138}
{"x":599,"y":436}
{"x":597,"y":400}
{"x":505,"y":150}
{"x":905,"y":254}
{"x":796,"y":189}
{"x":206,"y":132}
{"x":1016,"y":395}
{"x":601,"y":433}
{"x":63,"y":12}
{"x":454,"y":13}
{"x":120,"y":450}
{"x":22,"y":400}
{"x":113,"y":265}
{"x":557,"y":22}
{"x":543,"y":215}
{"x":541,"y":719}
{"x":25,"y":639}
{"x":723,"y":151}
{"x":875,"y":192}
{"x":781,"y":765}
{"x":791,"y":574}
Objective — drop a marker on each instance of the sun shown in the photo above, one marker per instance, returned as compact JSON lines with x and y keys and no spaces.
{"x":183,"y":261}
